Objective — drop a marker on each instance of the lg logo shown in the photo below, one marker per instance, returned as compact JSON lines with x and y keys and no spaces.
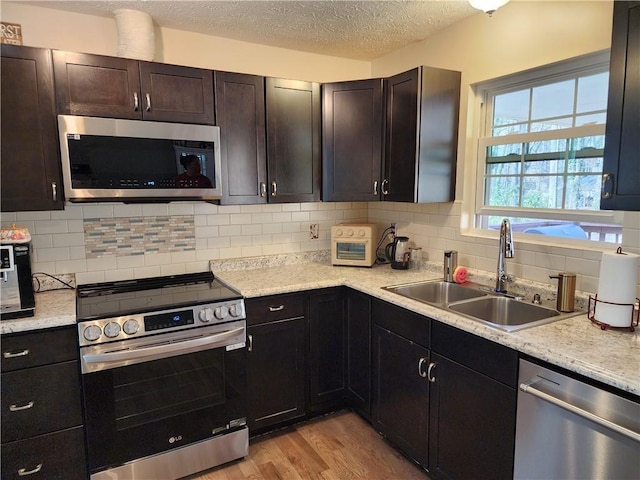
{"x":175,"y":439}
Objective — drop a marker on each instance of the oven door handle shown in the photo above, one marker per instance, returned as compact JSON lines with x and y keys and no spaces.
{"x":174,"y":348}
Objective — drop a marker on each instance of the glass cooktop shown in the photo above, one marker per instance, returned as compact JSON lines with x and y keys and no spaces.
{"x":111,"y":299}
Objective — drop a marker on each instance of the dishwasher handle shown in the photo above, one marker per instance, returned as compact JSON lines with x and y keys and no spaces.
{"x":532,"y":390}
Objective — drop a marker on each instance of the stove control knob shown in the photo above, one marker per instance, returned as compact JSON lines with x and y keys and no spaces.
{"x":92,"y":333}
{"x":221,"y":312}
{"x":234,"y":311}
{"x":131,"y":326}
{"x":112,"y":329}
{"x":205,"y":315}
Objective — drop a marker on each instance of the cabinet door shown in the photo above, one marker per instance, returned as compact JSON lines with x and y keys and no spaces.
{"x":423,"y":107}
{"x":621,"y":183}
{"x":326,"y":349}
{"x":358,"y":371}
{"x":401,"y":392}
{"x":172,"y":93}
{"x":472,"y":424}
{"x":352,"y":140}
{"x":240,"y":113}
{"x":275,"y":372}
{"x":293,"y":140}
{"x":401,"y":131}
{"x":56,"y":456}
{"x":29,"y":158}
{"x":98,"y":86}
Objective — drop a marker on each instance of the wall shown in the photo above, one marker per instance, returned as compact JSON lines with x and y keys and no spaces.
{"x":520,"y":35}
{"x":49,"y":28}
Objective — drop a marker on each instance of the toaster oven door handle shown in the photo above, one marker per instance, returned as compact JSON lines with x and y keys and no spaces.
{"x":164,"y":349}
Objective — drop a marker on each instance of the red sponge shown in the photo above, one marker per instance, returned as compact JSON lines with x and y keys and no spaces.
{"x":460,"y":274}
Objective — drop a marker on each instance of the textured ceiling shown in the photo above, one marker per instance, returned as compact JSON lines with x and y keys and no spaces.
{"x":361,"y":30}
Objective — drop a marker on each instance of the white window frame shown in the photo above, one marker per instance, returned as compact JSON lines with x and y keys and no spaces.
{"x":567,"y":69}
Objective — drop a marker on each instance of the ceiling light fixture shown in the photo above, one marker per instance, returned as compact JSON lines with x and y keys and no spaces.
{"x":487,"y":6}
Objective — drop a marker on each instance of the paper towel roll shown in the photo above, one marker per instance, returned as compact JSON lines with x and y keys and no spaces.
{"x":617,"y":284}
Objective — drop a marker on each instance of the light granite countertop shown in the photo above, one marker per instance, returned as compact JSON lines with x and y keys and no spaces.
{"x":611,"y":356}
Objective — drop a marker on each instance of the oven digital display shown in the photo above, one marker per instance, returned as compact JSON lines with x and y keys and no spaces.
{"x":168,"y":320}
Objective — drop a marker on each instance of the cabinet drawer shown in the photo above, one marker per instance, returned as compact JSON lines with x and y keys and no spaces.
{"x":479,"y":354}
{"x":405,"y":323}
{"x":40,"y":348}
{"x":276,"y":307}
{"x":56,"y":456}
{"x":40,"y":400}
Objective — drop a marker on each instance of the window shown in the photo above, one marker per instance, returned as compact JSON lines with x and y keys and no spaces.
{"x":541,"y":153}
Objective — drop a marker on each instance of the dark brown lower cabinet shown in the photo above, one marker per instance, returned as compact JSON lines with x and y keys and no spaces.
{"x":275,"y":372}
{"x":472,"y":406}
{"x":327,"y":349}
{"x":358,"y":368}
{"x":401,"y":408}
{"x":55,"y":456}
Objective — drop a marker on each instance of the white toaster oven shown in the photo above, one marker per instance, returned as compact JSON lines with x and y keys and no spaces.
{"x":354,"y":244}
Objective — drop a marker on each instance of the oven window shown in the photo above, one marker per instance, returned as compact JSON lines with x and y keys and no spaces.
{"x":151,"y":391}
{"x":351,"y":251}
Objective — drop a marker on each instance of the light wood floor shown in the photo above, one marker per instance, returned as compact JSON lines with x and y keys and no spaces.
{"x":339,"y":446}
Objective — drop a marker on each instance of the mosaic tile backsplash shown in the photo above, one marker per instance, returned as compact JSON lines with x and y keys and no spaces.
{"x":138,"y":235}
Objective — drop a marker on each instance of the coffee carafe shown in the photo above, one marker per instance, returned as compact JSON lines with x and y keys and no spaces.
{"x":398,"y":253}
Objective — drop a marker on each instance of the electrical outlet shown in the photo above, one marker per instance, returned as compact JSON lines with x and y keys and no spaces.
{"x":313,"y":231}
{"x":393,"y":229}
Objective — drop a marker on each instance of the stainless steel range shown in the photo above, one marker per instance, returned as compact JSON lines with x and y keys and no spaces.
{"x":164,"y":376}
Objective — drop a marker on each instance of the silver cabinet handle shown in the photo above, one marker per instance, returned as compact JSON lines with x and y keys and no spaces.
{"x":384,"y":190}
{"x":375,"y":187}
{"x":250,"y":347}
{"x":421,"y":371}
{"x":605,"y":178}
{"x":263,"y":189}
{"x":274,"y":189}
{"x":148,"y":98}
{"x":23,"y":473}
{"x":54,"y":191}
{"x":16,"y":408}
{"x":136,"y":102}
{"x":530,"y":389}
{"x":430,"y":376}
{"x":276,"y":309}
{"x":23,"y":353}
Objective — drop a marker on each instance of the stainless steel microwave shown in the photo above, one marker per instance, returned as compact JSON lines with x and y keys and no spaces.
{"x":108,"y":159}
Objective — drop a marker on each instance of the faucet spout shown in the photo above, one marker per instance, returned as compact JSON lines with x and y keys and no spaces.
{"x":506,"y":250}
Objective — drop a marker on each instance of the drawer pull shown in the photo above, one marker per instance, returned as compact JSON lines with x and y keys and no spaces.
{"x":23,"y":353}
{"x":23,"y":473}
{"x":16,"y":408}
{"x":276,"y":309}
{"x":250,"y":349}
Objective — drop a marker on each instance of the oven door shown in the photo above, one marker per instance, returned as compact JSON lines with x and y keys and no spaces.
{"x":152,"y":405}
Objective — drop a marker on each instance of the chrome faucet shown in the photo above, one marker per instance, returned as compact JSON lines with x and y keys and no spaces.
{"x":506,"y":251}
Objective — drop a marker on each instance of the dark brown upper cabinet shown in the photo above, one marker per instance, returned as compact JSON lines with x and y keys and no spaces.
{"x":240,"y":112}
{"x":421,"y":141}
{"x":270,"y":139}
{"x":293,"y":140}
{"x":100,"y":86}
{"x":352,"y":132}
{"x":621,"y":169}
{"x":29,"y":158}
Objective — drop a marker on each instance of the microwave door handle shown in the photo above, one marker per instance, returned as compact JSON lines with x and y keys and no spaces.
{"x":177,"y":347}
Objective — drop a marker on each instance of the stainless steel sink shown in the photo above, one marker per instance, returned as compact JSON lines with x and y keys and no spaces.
{"x":475,"y":302}
{"x":437,"y":293}
{"x":506,"y":313}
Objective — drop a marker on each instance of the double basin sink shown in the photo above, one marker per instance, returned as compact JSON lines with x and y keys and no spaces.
{"x":501,"y":312}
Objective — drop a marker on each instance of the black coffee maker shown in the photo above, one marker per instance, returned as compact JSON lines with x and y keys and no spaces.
{"x":398,"y":253}
{"x":16,"y":287}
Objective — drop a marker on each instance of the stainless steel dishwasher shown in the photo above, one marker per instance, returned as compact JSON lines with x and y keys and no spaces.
{"x":567,"y":429}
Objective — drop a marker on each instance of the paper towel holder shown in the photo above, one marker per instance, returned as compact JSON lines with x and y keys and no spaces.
{"x":634,"y":317}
